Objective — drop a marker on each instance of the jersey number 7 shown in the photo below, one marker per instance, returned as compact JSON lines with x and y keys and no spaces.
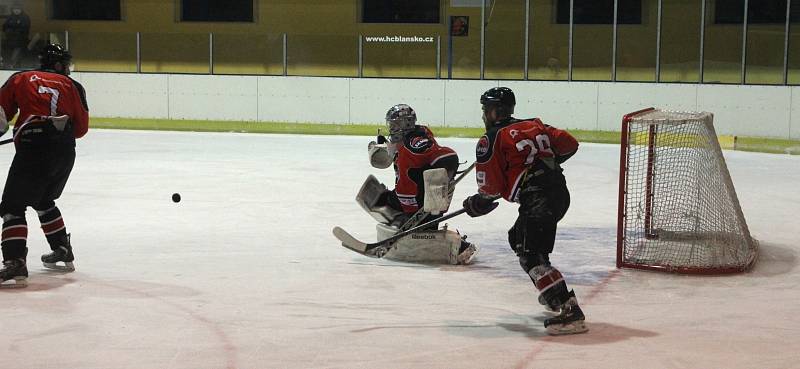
{"x":53,"y":98}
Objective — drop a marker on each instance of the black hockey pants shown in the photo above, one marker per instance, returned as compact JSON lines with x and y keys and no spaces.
{"x":38,"y":174}
{"x":543,"y":202}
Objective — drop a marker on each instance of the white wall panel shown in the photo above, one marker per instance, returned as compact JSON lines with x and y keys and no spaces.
{"x":747,"y":110}
{"x":618,"y":99}
{"x":303,"y":99}
{"x":370,"y":99}
{"x":462,"y":107}
{"x":561,"y":104}
{"x":4,"y":74}
{"x":207,"y":97}
{"x":794,"y":128}
{"x":739,"y":110}
{"x":126,"y":95}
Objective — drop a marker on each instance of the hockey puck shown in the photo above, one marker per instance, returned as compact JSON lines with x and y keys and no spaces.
{"x":176,"y":197}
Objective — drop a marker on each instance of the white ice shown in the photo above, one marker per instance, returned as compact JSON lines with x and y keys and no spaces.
{"x":244,"y":272}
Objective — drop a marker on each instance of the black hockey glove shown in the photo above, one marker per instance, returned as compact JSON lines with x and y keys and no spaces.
{"x":381,"y":139}
{"x":479,"y":204}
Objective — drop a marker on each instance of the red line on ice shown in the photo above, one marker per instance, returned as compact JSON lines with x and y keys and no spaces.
{"x":540,"y":345}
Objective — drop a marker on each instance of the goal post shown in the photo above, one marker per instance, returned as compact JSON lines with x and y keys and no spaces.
{"x":677,"y":209}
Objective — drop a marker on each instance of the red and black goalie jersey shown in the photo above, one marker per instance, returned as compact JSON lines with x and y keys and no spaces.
{"x":419,"y":152}
{"x":513,"y":147}
{"x":43,"y":94}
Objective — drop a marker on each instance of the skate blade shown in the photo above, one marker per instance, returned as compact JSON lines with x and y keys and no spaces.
{"x":67,"y":267}
{"x":569,"y":328}
{"x":19,"y":282}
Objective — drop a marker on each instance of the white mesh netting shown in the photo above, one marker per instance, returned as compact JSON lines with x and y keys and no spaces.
{"x":679,"y":210}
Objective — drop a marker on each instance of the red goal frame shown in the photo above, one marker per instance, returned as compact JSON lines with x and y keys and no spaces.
{"x":649,"y":234}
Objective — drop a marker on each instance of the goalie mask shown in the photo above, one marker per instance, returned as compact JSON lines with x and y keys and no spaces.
{"x":400,"y":119}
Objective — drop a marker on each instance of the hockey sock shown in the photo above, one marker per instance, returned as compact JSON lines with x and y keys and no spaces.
{"x":53,"y":227}
{"x":551,"y":285}
{"x":14,"y":238}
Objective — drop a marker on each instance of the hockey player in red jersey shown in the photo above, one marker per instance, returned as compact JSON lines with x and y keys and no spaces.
{"x":520,"y":160}
{"x":411,"y":149}
{"x":414,"y":149}
{"x":52,"y":114}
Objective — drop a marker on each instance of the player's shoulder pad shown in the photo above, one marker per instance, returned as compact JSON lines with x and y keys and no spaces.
{"x":418,"y":141}
{"x":81,"y":93}
{"x":485,"y":147}
{"x":13,"y":77}
{"x":527,"y":122}
{"x":532,"y":120}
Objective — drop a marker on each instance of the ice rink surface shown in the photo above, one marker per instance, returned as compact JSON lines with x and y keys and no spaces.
{"x":244,"y":272}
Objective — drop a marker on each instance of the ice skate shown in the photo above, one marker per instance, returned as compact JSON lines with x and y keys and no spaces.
{"x":15,"y":270}
{"x":62,"y":254}
{"x":552,"y":309}
{"x":570,"y":321}
{"x":466,"y":252}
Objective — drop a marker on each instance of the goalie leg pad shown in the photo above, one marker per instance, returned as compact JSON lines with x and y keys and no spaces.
{"x":441,"y":246}
{"x":385,"y":231}
{"x":438,"y":193}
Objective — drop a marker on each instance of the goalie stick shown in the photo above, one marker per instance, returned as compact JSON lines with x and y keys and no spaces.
{"x":409,"y":227}
{"x":364,"y":248}
{"x":463,"y":172}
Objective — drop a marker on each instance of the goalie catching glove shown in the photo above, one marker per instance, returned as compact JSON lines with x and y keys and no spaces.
{"x":479,"y":204}
{"x":379,"y":155}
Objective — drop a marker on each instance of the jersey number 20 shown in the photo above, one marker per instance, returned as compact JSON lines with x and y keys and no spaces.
{"x":542,"y":144}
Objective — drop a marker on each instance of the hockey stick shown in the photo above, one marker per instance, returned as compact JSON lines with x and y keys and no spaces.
{"x":7,"y":140}
{"x":463,"y":172}
{"x":363,"y":248}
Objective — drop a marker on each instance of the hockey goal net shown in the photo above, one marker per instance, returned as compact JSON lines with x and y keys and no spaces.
{"x":678,"y":210}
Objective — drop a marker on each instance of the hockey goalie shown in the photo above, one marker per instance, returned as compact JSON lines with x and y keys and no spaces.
{"x":424,"y":173}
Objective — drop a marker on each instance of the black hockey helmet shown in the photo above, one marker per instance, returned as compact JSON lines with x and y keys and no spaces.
{"x":502,"y":98}
{"x":53,"y":54}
